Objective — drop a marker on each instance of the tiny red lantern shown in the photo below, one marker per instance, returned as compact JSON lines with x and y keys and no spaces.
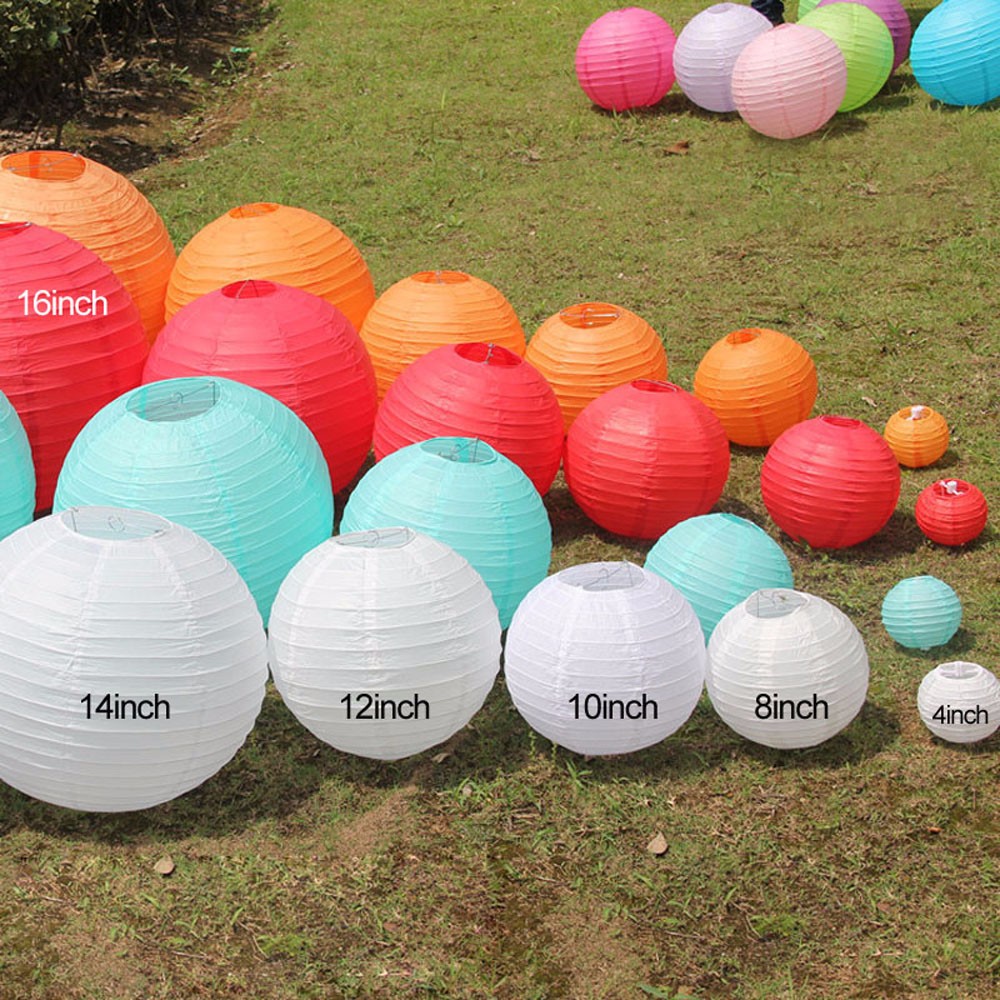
{"x":951,"y":512}
{"x":644,"y":456}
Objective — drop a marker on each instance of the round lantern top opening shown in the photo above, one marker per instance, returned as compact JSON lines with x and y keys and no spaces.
{"x":774,"y":603}
{"x":440,"y":277}
{"x":464,"y":451}
{"x":603,"y":576}
{"x":652,"y":385}
{"x":951,"y":487}
{"x":914,"y":412}
{"x":588,"y":315}
{"x":253,"y":210}
{"x":113,"y":524}
{"x":959,"y":670}
{"x":744,"y":336}
{"x":174,"y":399}
{"x":377,"y":538}
{"x":10,"y":229}
{"x":249,"y":288}
{"x":45,"y":166}
{"x":488,"y":354}
{"x":849,"y":423}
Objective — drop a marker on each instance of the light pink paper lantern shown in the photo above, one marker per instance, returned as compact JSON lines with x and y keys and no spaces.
{"x":896,"y":20}
{"x":789,"y":81}
{"x":625,"y":59}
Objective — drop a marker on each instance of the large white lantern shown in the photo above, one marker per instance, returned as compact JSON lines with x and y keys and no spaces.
{"x":786,"y":669}
{"x":605,"y":658}
{"x":960,"y":702}
{"x":132,"y":659}
{"x":384,"y":643}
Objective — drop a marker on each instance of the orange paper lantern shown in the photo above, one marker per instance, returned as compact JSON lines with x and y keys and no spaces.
{"x":917,"y":435}
{"x":951,"y":512}
{"x":430,"y":309}
{"x":758,"y":382}
{"x":276,"y":243}
{"x":587,"y":349}
{"x":99,"y":208}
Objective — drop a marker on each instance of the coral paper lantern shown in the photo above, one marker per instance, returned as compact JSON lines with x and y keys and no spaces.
{"x":132,"y":660}
{"x":481,"y":391}
{"x":59,"y":364}
{"x":605,"y":658}
{"x":285,"y":342}
{"x":706,"y":52}
{"x":960,"y":702}
{"x":951,"y":512}
{"x":225,"y":460}
{"x":892,"y":13}
{"x":758,"y":383}
{"x":917,"y":435}
{"x":921,"y":612}
{"x":625,"y":59}
{"x":789,"y":81}
{"x":99,"y":208}
{"x":384,"y":643}
{"x":786,"y":669}
{"x":589,"y":348}
{"x":17,"y":473}
{"x":463,"y":493}
{"x":718,"y":560}
{"x":831,"y":482}
{"x":432,"y":308}
{"x":644,"y":456}
{"x":277,"y":243}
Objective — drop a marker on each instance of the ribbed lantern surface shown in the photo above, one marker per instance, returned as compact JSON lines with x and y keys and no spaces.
{"x":951,"y":512}
{"x":960,"y":702}
{"x":921,"y":612}
{"x":17,"y":473}
{"x":918,"y":436}
{"x":892,"y":13}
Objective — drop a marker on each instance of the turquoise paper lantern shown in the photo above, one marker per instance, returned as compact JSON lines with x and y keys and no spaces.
{"x":221,"y":458}
{"x":718,"y":560}
{"x":466,"y":494}
{"x":921,"y":612}
{"x":17,"y":472}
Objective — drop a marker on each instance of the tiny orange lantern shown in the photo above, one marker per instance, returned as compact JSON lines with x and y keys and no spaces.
{"x":758,"y":382}
{"x":592,"y":347}
{"x":917,"y":435}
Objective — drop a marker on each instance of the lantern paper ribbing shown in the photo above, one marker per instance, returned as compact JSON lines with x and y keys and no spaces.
{"x":132,"y":660}
{"x":786,"y":669}
{"x":17,"y":474}
{"x":605,"y":658}
{"x":285,"y":342}
{"x":921,"y":612}
{"x":951,"y":512}
{"x":892,"y":13}
{"x":227,"y":461}
{"x":917,"y":435}
{"x":384,"y":643}
{"x":463,"y":493}
{"x":960,"y":702}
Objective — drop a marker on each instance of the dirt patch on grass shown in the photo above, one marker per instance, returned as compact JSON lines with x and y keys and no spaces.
{"x":391,"y":821}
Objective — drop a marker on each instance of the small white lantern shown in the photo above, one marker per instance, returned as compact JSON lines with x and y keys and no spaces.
{"x":605,"y":658}
{"x":132,"y":659}
{"x":786,"y":669}
{"x":960,"y":702}
{"x":384,"y":643}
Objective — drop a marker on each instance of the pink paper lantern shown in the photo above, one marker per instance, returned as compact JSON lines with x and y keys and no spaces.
{"x":896,"y":20}
{"x":789,"y":81}
{"x":625,"y":59}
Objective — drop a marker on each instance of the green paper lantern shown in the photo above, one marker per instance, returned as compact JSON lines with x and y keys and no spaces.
{"x":17,"y":472}
{"x":921,"y":612}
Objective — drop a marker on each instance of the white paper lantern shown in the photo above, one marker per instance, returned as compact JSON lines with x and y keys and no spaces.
{"x":384,"y":643}
{"x":605,"y":658}
{"x":786,"y":669}
{"x":960,"y":702}
{"x":132,"y":659}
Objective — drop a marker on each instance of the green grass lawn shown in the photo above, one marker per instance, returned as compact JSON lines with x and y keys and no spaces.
{"x":446,"y":135}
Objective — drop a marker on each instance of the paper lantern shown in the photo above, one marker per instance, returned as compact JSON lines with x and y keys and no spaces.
{"x":864,"y":39}
{"x":384,"y":643}
{"x":786,"y":669}
{"x":432,"y":308}
{"x":276,"y":243}
{"x":955,"y":53}
{"x":463,"y":493}
{"x":644,"y":456}
{"x":706,"y":52}
{"x":589,"y":348}
{"x":951,"y":511}
{"x":758,"y":383}
{"x":285,"y":342}
{"x":917,"y":435}
{"x":830,"y":482}
{"x":892,"y":13}
{"x":70,"y":340}
{"x":716,"y":561}
{"x":789,"y":81}
{"x":605,"y":658}
{"x":99,"y":208}
{"x":921,"y":612}
{"x":225,"y":460}
{"x":960,"y":701}
{"x":625,"y":59}
{"x":132,"y":660}
{"x":17,"y":473}
{"x":481,"y":391}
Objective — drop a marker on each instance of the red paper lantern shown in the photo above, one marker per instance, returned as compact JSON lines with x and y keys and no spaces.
{"x":71,"y":340}
{"x":644,"y":456}
{"x":951,"y":512}
{"x":480,"y":391}
{"x":830,"y":481}
{"x":288,"y":343}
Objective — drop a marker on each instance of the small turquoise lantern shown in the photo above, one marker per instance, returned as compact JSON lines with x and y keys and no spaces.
{"x":718,"y":560}
{"x":921,"y":612}
{"x":466,"y":494}
{"x":17,"y":472}
{"x":227,"y":461}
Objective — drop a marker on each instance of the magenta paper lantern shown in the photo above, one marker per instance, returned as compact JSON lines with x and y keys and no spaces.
{"x":789,"y":81}
{"x":896,"y":20}
{"x":625,"y":59}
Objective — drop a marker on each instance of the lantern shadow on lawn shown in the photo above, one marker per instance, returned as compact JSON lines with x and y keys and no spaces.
{"x":675,"y":103}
